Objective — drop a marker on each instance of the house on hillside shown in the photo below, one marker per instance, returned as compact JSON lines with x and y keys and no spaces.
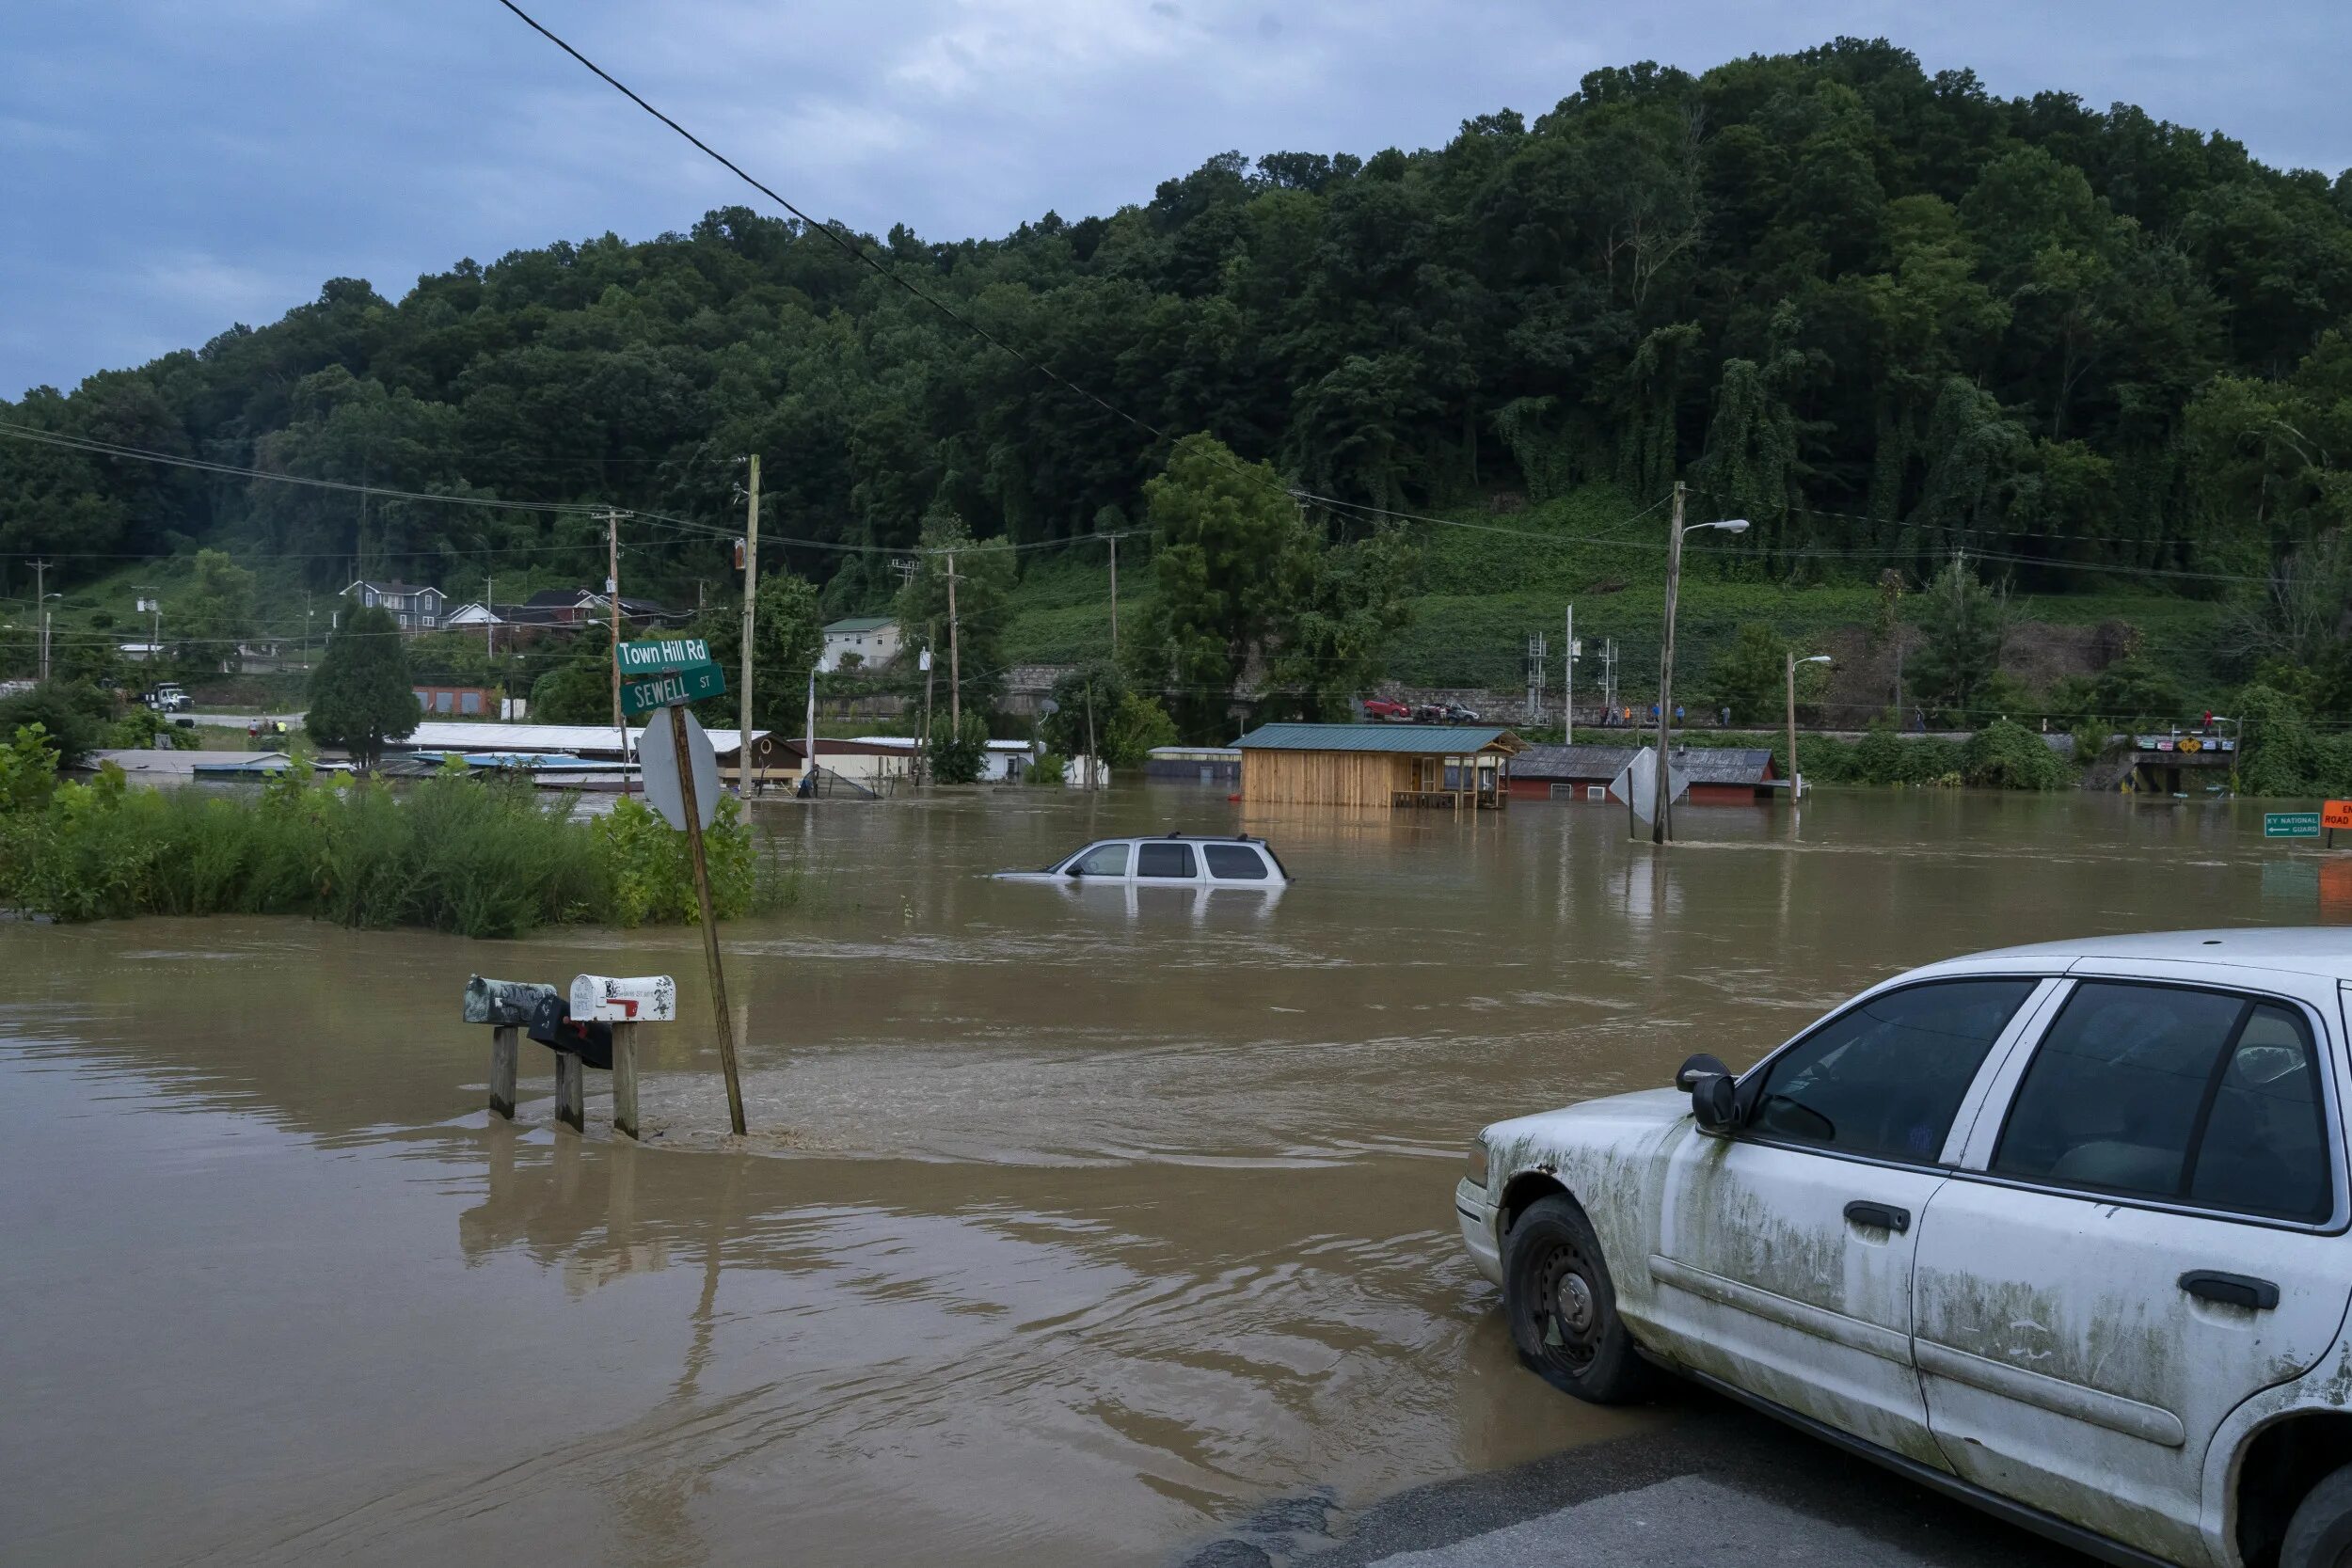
{"x":869,"y":640}
{"x":415,"y":607}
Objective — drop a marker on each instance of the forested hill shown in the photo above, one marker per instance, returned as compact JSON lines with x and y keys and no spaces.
{"x":1873,"y":309}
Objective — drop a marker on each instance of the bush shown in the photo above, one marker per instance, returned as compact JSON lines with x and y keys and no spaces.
{"x":652,"y":870}
{"x":959,"y":756}
{"x":2283,"y":754}
{"x":479,"y":858}
{"x":2004,"y":755}
{"x":73,"y":714}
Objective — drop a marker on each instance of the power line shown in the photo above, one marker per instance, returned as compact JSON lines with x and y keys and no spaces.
{"x":863,"y":258}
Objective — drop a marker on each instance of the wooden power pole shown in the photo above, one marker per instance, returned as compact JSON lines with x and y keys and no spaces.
{"x":954,"y":658}
{"x":1114,"y":600}
{"x":751,"y":593}
{"x":612,"y":598}
{"x":1662,"y":801}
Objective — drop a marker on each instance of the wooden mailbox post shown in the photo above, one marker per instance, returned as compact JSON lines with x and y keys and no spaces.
{"x":625,"y":1002}
{"x":506,"y":1005}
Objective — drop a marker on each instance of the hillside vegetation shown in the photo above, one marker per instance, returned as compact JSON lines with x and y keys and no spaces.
{"x":1883,"y":314}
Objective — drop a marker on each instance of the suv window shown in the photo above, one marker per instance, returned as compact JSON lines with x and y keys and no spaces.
{"x":1164,"y":859}
{"x":1233,"y":863}
{"x":1888,"y":1077}
{"x":1104,"y":860}
{"x":2163,"y":1091}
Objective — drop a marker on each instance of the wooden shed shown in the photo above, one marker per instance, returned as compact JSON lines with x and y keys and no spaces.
{"x":1381,"y":766}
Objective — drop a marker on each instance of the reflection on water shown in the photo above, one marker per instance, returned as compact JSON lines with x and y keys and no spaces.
{"x":1073,"y":1222}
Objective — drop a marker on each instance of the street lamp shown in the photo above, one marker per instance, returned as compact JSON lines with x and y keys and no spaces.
{"x":1662,"y":801}
{"x":41,"y":604}
{"x":1795,"y":780}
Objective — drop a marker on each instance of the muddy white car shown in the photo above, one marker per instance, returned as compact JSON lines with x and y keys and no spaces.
{"x":2061,"y":1230}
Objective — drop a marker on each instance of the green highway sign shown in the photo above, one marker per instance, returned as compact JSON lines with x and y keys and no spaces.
{"x":690,"y":685}
{"x":650,"y":655}
{"x":2291,"y":824}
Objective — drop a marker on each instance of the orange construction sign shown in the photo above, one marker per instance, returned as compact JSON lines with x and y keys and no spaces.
{"x":2335,"y":814}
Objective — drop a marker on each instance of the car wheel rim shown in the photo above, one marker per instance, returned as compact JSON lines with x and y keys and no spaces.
{"x":1568,"y":1309}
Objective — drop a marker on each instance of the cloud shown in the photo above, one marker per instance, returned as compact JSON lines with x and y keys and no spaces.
{"x":180,"y":164}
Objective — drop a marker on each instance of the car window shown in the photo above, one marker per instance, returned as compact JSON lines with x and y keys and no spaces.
{"x":1233,"y":863}
{"x":1164,"y":859}
{"x":1888,"y":1077}
{"x":2164,"y":1091}
{"x":2265,"y":1147}
{"x":1104,"y":860}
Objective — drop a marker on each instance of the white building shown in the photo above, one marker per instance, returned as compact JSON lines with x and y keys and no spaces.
{"x":874,"y":638}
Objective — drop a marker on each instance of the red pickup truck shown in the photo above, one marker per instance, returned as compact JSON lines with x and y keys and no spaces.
{"x":1380,"y":707}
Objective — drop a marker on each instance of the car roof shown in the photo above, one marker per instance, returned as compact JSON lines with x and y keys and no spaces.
{"x":2324,"y":950}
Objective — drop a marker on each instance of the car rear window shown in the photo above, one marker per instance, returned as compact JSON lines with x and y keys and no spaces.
{"x":1164,"y":859}
{"x":1233,"y":863}
{"x":2196,"y":1096}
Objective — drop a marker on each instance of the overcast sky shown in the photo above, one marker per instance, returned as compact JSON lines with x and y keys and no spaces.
{"x":170,"y":166}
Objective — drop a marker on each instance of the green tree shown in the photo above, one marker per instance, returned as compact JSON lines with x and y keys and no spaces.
{"x":73,"y":716}
{"x":214,"y":615}
{"x":1750,"y":677}
{"x":360,"y":696}
{"x":1967,"y":628}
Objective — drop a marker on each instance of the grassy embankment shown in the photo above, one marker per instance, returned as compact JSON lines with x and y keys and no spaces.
{"x":1477,"y":595}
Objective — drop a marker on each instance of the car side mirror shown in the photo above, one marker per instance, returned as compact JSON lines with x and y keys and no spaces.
{"x":1714,"y":1093}
{"x":1698,"y":1067}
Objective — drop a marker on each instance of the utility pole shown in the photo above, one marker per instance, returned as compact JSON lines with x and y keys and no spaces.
{"x":1662,"y":801}
{"x":1114,"y":602}
{"x":612,"y":598}
{"x":489,"y":616}
{"x":955,"y":656}
{"x":40,"y":606}
{"x":1795,"y":780}
{"x":930,"y":673}
{"x":750,"y":598}
{"x":1089,"y":764}
{"x":1567,"y":681}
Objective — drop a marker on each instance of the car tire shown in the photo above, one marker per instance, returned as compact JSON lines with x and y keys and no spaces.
{"x":2320,"y":1534}
{"x":1562,"y":1305}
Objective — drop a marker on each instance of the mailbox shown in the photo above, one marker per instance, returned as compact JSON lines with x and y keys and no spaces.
{"x":553,"y":1027}
{"x":506,"y":1002}
{"x":641,"y":999}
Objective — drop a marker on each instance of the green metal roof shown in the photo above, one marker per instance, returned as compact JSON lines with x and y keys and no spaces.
{"x":861,"y":622}
{"x":1417,"y":740}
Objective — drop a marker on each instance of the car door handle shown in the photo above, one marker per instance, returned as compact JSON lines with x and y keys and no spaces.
{"x":2232,"y":1289}
{"x":1885,"y":1216}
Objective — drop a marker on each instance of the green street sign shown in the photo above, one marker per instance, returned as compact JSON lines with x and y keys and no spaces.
{"x":653,"y":654}
{"x":689,"y":685}
{"x":2291,"y":824}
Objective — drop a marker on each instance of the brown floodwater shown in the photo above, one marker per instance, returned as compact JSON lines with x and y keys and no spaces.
{"x":1072,"y":1227}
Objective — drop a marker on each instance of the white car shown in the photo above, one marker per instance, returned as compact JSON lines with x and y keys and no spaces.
{"x":2061,"y":1230}
{"x":1170,"y":860}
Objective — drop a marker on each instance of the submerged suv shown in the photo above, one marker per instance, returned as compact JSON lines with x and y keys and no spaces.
{"x":2061,"y":1230}
{"x":1171,"y":860}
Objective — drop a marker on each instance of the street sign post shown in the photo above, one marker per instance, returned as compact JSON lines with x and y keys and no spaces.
{"x":2291,"y":824}
{"x":680,"y":777}
{"x":692,"y":684}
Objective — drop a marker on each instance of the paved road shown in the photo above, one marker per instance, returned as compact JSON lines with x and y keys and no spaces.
{"x":1719,"y":1484}
{"x":234,"y":721}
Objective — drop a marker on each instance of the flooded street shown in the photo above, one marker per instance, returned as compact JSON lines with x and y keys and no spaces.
{"x":1073,"y":1227}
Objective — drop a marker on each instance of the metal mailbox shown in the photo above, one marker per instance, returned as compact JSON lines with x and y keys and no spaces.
{"x":505,"y":1003}
{"x":639,"y":999}
{"x":554,"y":1027}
